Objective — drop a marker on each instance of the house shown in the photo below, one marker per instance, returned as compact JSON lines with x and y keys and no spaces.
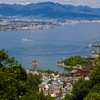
{"x":41,"y":87}
{"x":54,"y":93}
{"x":46,"y":87}
{"x":32,"y":72}
{"x":45,"y":76}
{"x":73,"y":72}
{"x":87,"y":78}
{"x":68,"y":87}
{"x":84,"y":71}
{"x":45,"y":81}
{"x":92,"y":56}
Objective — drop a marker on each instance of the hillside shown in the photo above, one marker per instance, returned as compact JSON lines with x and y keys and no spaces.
{"x":50,"y":10}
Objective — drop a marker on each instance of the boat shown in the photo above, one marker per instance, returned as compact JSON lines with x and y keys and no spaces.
{"x":24,"y":39}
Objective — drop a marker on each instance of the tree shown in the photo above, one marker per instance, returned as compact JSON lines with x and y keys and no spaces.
{"x":33,"y":81}
{"x":12,"y":78}
{"x":88,"y":89}
{"x":15,"y":84}
{"x":74,"y":60}
{"x":68,"y":97}
{"x":92,"y":96}
{"x":97,"y":61}
{"x":95,"y":76}
{"x":94,"y":93}
{"x":80,"y":89}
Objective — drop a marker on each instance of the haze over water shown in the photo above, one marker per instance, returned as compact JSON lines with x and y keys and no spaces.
{"x":50,"y":46}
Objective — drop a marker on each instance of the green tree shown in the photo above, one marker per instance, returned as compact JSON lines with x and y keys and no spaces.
{"x":15,"y":84}
{"x":85,"y":89}
{"x":68,"y":97}
{"x":97,"y":61}
{"x":12,"y":78}
{"x":80,"y":89}
{"x":92,"y":96}
{"x":94,"y":93}
{"x":74,"y":60}
{"x":95,"y":76}
{"x":33,"y":81}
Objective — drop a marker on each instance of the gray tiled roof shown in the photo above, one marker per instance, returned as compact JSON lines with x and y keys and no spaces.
{"x":92,"y":56}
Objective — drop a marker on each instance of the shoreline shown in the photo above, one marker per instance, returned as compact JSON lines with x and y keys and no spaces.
{"x":69,"y":67}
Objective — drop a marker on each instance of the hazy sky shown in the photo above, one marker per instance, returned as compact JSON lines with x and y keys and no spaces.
{"x":92,"y":3}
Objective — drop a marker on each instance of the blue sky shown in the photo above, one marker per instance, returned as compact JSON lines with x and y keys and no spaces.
{"x":91,"y":3}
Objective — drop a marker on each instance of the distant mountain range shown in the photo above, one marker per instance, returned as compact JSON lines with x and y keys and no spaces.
{"x":50,"y":10}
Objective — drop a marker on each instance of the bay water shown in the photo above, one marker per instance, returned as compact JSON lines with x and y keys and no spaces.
{"x":51,"y":45}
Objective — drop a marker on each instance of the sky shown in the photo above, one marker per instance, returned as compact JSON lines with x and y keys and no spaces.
{"x":91,"y":3}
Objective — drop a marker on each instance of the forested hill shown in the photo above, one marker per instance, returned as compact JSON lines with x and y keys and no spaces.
{"x":50,"y":10}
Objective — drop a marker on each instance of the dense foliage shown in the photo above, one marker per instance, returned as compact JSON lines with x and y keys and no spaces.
{"x":77,"y":60}
{"x":33,"y":81}
{"x":15,"y":84}
{"x":88,"y":89}
{"x":48,"y":71}
{"x":12,"y":78}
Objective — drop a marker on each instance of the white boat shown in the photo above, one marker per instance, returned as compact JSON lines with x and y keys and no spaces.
{"x":24,"y":39}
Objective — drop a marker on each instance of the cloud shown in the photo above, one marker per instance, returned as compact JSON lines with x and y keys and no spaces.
{"x":92,"y":3}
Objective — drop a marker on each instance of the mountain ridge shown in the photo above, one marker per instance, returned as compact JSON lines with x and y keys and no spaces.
{"x":50,"y":10}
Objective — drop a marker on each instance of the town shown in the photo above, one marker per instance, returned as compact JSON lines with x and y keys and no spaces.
{"x":14,"y":23}
{"x":56,"y":85}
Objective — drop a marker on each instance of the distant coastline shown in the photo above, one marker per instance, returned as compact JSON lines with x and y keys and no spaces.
{"x":37,"y":24}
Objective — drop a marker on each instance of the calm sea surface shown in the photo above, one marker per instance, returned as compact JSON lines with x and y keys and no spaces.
{"x":50,"y":46}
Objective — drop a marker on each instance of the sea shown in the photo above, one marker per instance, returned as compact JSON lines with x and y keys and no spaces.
{"x":49,"y":46}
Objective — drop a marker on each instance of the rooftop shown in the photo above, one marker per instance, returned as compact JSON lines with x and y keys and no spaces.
{"x":92,"y":56}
